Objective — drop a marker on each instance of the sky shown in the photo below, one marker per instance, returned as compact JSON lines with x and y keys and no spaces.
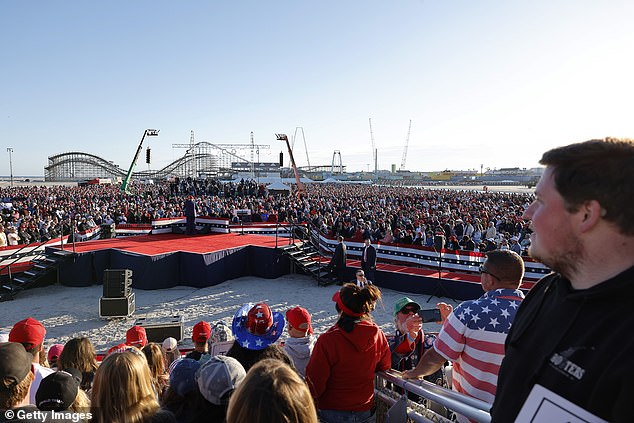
{"x":491,"y":83}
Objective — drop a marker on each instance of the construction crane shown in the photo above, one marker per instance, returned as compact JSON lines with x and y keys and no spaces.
{"x":374,"y":152}
{"x":300,"y":184}
{"x":406,"y":144}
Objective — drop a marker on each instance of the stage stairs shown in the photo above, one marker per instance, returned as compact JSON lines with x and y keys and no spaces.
{"x":42,"y":273}
{"x":307,"y":259}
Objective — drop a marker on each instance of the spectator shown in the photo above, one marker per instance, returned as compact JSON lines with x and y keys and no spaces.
{"x":136,"y":337}
{"x":58,"y":391}
{"x":256,"y":328}
{"x":300,"y":344}
{"x":16,"y":376}
{"x":200,"y":336}
{"x":170,"y":351}
{"x":570,"y":335}
{"x":409,"y":342}
{"x":30,"y":333}
{"x":123,"y":392}
{"x":272,"y":392}
{"x":53,"y":354}
{"x":156,"y":363}
{"x":217,"y":379}
{"x":181,"y":396}
{"x":79,"y":353}
{"x":478,"y":328}
{"x":340,"y":372}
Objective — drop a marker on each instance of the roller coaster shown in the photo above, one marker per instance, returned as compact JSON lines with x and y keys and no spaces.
{"x":202,"y":159}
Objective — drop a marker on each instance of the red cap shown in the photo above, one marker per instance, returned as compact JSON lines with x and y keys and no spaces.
{"x":28,"y":331}
{"x":136,"y":337}
{"x":299,"y":318}
{"x":259,"y":319}
{"x":201,"y":332}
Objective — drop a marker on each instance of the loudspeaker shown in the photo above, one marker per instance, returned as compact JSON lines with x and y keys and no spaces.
{"x":159,"y":328}
{"x":117,"y":283}
{"x":439,"y":242}
{"x":117,"y":307}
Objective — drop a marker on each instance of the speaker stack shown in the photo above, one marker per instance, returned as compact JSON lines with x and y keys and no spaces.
{"x":159,"y":328}
{"x":118,"y":299}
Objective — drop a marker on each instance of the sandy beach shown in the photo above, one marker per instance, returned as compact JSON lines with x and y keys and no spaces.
{"x":68,"y":312}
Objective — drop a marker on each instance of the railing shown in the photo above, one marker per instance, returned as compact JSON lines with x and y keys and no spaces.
{"x":472,"y":408}
{"x":16,"y":256}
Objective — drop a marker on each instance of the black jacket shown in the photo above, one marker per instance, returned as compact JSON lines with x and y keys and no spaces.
{"x":578,"y":344}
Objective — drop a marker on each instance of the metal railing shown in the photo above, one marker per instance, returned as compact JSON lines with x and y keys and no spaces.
{"x":469,"y":407}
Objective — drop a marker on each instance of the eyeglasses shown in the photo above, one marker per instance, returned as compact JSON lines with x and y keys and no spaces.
{"x":360,"y":274}
{"x":408,"y":310}
{"x":484,"y":270}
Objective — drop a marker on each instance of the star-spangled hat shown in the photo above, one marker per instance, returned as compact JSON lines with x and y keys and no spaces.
{"x":255,"y":326}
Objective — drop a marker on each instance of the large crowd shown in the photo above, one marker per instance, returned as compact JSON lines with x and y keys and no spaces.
{"x":468,"y":220}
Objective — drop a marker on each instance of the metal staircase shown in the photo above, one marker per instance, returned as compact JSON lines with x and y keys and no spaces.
{"x":42,"y":273}
{"x":307,"y":258}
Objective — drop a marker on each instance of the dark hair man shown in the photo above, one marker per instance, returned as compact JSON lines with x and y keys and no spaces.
{"x":571,"y":335}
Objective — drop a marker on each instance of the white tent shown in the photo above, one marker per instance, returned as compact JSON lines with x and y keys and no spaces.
{"x":278,"y":186}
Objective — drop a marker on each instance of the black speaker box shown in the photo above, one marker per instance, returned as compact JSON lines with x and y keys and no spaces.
{"x":117,"y":283}
{"x":117,"y":307}
{"x":159,"y":328}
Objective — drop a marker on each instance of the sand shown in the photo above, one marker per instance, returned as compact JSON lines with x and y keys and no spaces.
{"x":68,"y":312}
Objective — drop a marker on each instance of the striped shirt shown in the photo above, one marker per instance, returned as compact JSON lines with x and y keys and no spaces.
{"x":473,"y":339}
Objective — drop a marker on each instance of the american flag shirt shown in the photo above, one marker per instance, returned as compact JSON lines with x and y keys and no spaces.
{"x":473,"y":339}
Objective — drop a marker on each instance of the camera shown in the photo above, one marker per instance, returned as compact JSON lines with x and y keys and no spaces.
{"x":432,"y":315}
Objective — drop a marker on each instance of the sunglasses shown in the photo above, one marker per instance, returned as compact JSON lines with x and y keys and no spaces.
{"x":408,"y":310}
{"x":484,"y":270}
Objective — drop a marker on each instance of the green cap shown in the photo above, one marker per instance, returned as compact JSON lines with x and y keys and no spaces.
{"x":400,"y":304}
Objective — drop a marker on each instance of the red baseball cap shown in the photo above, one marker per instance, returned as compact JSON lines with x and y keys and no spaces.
{"x":299,"y":318}
{"x":201,"y":332}
{"x":136,"y":337}
{"x":28,"y":331}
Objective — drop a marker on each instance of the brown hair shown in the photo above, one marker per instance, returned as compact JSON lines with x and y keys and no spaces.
{"x":358,"y":300}
{"x":78,"y":353}
{"x":122,"y":391}
{"x":156,"y":363}
{"x":601,"y":170}
{"x":272,"y":392}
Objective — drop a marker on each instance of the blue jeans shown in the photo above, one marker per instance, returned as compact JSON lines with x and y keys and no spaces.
{"x":336,"y":416}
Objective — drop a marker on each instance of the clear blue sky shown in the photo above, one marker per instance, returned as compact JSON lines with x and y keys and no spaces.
{"x":484,"y":82}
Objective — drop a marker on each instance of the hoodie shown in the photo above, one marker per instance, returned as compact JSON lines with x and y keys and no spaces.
{"x":576,"y":343}
{"x":340,"y":372}
{"x":299,"y":349}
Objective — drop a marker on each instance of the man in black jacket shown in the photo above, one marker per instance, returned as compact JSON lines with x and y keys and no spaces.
{"x":570,"y":337}
{"x":338,"y":261}
{"x":368,"y":259}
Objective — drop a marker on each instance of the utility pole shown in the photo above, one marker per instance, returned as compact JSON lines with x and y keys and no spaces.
{"x":10,"y":151}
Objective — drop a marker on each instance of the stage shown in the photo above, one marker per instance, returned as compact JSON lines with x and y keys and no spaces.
{"x":168,"y":260}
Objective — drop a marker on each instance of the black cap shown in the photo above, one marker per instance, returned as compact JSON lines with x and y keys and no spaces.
{"x":15,"y":364}
{"x":58,"y":390}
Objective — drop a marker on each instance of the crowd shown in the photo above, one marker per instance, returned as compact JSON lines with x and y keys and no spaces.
{"x":564,"y":340}
{"x":467,"y":220}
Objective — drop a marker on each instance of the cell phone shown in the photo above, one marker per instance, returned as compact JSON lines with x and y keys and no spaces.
{"x":432,"y":315}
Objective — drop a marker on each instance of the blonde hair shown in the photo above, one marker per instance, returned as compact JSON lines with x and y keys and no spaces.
{"x":81,"y":403}
{"x":272,"y":392}
{"x":122,"y":391}
{"x":14,"y":395}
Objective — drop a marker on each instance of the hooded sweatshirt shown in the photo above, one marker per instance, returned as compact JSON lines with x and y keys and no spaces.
{"x":340,"y":372}
{"x":576,"y":343}
{"x":299,"y":349}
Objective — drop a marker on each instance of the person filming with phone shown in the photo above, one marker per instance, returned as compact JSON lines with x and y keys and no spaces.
{"x":473,"y":335}
{"x":410,"y":342}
